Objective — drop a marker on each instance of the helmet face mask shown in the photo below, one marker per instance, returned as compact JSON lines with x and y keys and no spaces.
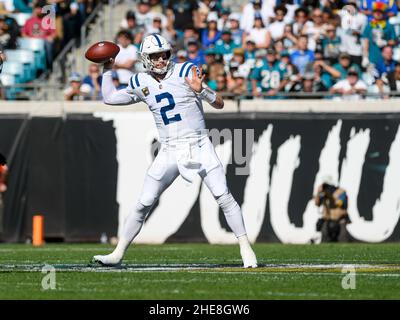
{"x":150,"y":52}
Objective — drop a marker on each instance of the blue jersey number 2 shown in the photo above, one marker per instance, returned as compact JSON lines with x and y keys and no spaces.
{"x":170,"y":106}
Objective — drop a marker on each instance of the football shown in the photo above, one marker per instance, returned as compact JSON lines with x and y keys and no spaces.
{"x":102,"y":51}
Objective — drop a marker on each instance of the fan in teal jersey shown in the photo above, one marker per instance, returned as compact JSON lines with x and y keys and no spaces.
{"x":268,"y":76}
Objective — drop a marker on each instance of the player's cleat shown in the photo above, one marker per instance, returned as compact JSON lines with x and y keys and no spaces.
{"x":106,"y":261}
{"x":249,"y":258}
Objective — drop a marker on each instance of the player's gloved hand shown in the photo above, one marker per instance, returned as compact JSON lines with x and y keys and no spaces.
{"x":365,"y":62}
{"x":197,"y":80}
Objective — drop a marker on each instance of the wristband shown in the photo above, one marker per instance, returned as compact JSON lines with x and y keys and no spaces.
{"x":208,"y":95}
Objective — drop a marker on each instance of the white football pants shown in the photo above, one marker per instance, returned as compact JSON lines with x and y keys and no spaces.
{"x":199,"y":158}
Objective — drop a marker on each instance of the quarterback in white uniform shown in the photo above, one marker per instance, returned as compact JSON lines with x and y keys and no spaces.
{"x":174,"y":94}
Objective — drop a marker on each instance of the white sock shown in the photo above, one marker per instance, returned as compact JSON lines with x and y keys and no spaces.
{"x":131,"y":228}
{"x":244,"y":242}
{"x":233,"y":214}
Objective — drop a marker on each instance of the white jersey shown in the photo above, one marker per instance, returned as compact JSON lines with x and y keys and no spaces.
{"x":177,"y":110}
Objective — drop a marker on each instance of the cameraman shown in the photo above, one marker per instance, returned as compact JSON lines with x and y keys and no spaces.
{"x":334,"y":219}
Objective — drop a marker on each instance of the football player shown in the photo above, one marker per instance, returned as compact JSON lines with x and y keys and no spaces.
{"x":174,"y":94}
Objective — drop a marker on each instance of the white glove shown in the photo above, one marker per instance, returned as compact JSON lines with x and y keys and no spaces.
{"x":365,"y":62}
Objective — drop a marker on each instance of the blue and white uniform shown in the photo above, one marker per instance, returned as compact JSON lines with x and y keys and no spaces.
{"x":185,"y":146}
{"x":179,"y":117}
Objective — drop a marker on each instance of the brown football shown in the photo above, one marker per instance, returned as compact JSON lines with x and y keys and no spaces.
{"x":102,"y":51}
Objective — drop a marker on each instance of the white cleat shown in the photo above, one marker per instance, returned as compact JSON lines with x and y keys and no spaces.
{"x":249,"y":258}
{"x":109,"y":260}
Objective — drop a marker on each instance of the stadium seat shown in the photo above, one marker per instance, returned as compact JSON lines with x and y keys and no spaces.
{"x":37,"y":46}
{"x":20,"y":17}
{"x":26,"y":57}
{"x":14,"y":68}
{"x":9,"y":80}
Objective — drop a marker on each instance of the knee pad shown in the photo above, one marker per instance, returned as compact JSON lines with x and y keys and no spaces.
{"x":227,"y":203}
{"x":147,"y":199}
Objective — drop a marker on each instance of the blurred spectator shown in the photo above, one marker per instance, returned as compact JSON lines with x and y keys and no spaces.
{"x":368,"y":6}
{"x":130,"y":24}
{"x":212,"y":68}
{"x":389,"y":77}
{"x":288,"y":40}
{"x":301,"y":21}
{"x":394,"y":78}
{"x":378,"y":33}
{"x":143,"y":14}
{"x":225,"y":45}
{"x":344,"y":65}
{"x":324,"y":72}
{"x":75,"y":90}
{"x":239,"y":65}
{"x":302,"y":56}
{"x":387,"y":63}
{"x":351,"y":88}
{"x":93,"y":81}
{"x":181,"y":14}
{"x":126,"y":58}
{"x":352,"y":25}
{"x":223,"y":21}
{"x":277,"y":28}
{"x":309,"y":83}
{"x":9,"y":32}
{"x":315,"y":30}
{"x":331,"y":44}
{"x":156,"y":6}
{"x":221,"y":83}
{"x":213,"y":5}
{"x":239,"y":84}
{"x":158,"y":27}
{"x":234,"y":26}
{"x":328,"y":17}
{"x":195,"y":54}
{"x":263,"y":8}
{"x":203,"y":12}
{"x":34,"y":28}
{"x":250,"y":51}
{"x":312,"y":4}
{"x":259,"y":33}
{"x":72,"y":22}
{"x":291,"y":7}
{"x":5,"y":37}
{"x":181,"y":56}
{"x":269,"y":76}
{"x":190,"y":33}
{"x":210,"y":35}
{"x":292,"y":73}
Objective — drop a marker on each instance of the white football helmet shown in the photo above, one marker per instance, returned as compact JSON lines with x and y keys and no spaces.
{"x":154,"y":43}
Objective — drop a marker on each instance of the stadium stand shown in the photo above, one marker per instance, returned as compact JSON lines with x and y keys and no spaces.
{"x":292,"y":48}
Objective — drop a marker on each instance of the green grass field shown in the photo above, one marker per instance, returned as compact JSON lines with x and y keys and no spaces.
{"x":202,"y":271}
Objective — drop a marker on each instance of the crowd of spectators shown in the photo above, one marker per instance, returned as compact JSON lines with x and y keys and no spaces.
{"x":54,"y":21}
{"x":270,"y":48}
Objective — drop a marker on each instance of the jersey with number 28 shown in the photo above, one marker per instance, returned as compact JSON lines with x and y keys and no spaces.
{"x":177,"y":111}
